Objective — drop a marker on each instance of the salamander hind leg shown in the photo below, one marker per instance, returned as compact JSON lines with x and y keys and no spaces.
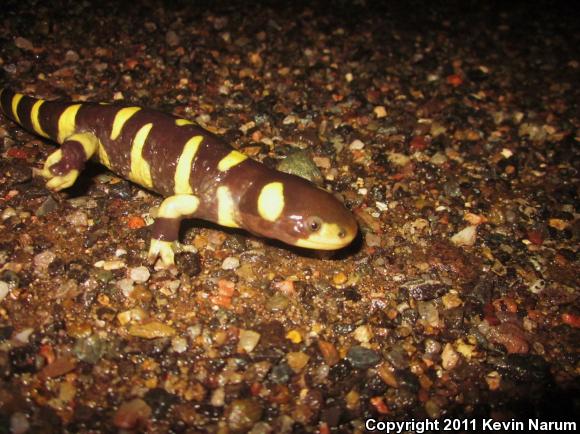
{"x":166,"y":226}
{"x":63,"y":166}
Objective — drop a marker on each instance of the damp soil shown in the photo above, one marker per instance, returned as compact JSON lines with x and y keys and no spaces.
{"x":451,"y":132}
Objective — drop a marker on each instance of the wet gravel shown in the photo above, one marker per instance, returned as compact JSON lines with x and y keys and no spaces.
{"x":451,"y":132}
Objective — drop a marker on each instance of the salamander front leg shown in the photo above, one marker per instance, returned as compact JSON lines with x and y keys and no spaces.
{"x":166,"y":226}
{"x":63,"y":166}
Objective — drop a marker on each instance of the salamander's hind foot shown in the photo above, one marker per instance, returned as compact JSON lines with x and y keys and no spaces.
{"x":57,"y":182}
{"x":161,"y":249}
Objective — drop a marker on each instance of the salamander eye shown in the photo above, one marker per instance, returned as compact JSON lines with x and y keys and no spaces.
{"x":313,"y":223}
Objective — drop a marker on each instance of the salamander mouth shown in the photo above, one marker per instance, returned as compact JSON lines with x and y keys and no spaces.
{"x":330,"y":237}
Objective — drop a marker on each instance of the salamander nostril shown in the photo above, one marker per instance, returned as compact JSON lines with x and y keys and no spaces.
{"x":342,"y":233}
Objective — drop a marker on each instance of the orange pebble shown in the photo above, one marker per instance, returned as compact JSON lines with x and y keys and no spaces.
{"x":135,"y":222}
{"x":454,"y":80}
{"x":379,"y":404}
{"x":571,"y":319}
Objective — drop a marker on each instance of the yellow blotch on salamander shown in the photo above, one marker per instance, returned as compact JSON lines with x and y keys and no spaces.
{"x":178,"y":206}
{"x":232,"y":159}
{"x":271,"y":201}
{"x":103,"y":156}
{"x":182,"y":122}
{"x":183,"y":171}
{"x":121,"y":119}
{"x":67,"y":122}
{"x":226,"y":207}
{"x":15,"y":101}
{"x":34,"y":118}
{"x":140,"y":171}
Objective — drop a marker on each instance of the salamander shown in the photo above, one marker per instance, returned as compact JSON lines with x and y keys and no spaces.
{"x":199,"y":175}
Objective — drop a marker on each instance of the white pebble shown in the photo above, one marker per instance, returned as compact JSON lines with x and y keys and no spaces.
{"x":218,"y":397}
{"x":381,"y":206}
{"x":8,"y":212}
{"x":363,"y":334}
{"x":126,"y":286}
{"x":356,"y":145}
{"x":230,"y":263}
{"x":110,"y":265}
{"x":140,"y":274}
{"x":179,"y":344}
{"x":248,"y":339}
{"x":43,"y":260}
{"x":78,"y":218}
{"x":465,"y":237}
{"x":449,"y":357}
{"x":4,"y":290}
{"x":194,"y":331}
{"x":24,"y":335}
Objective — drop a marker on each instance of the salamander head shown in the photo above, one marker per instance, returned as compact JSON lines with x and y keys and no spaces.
{"x":296,"y":212}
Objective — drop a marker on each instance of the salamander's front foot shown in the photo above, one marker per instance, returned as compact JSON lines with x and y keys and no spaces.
{"x":57,"y":182}
{"x":161,"y":249}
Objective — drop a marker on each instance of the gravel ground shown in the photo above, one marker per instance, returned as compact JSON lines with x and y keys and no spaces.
{"x":451,"y":132}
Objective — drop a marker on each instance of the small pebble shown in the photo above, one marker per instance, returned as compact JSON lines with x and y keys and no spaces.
{"x":432,"y":346}
{"x":110,"y":265}
{"x":4,"y":290}
{"x":139,"y":274}
{"x":380,"y":111}
{"x":451,"y":300}
{"x":230,"y":263}
{"x":125,"y":317}
{"x":493,"y":380}
{"x":19,"y":423}
{"x":465,"y":237}
{"x":242,"y":414}
{"x":194,"y":331}
{"x":297,"y":360}
{"x":71,"y":56}
{"x":132,"y":414}
{"x":372,"y":240}
{"x":387,"y":374}
{"x":329,"y":352}
{"x":294,"y":336}
{"x":248,"y":339}
{"x":126,"y":286}
{"x":218,"y":397}
{"x":363,"y":358}
{"x":172,"y":39}
{"x":59,"y":367}
{"x":363,"y":334}
{"x":356,"y":145}
{"x":78,"y":218}
{"x":179,"y":344}
{"x":278,"y":302}
{"x":432,"y":409}
{"x":449,"y":357}
{"x":23,"y":43}
{"x":339,"y":278}
{"x":8,"y":213}
{"x":24,"y":335}
{"x":43,"y":260}
{"x":151,"y":330}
